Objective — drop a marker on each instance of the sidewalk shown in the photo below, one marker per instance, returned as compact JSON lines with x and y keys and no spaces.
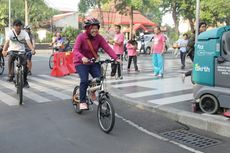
{"x":168,"y":96}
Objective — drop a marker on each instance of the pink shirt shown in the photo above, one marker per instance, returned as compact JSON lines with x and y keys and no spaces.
{"x":132,"y":50}
{"x":158,"y":43}
{"x":119,"y":49}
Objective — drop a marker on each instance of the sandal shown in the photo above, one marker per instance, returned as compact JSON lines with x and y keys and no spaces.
{"x":83,"y":106}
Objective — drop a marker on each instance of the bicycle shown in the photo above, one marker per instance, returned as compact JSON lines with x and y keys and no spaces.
{"x":2,"y":62}
{"x":105,"y":107}
{"x":19,"y":82}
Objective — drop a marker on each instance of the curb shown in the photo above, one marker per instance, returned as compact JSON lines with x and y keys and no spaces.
{"x":207,"y":123}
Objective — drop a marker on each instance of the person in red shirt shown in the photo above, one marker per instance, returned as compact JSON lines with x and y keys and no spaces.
{"x":85,"y":48}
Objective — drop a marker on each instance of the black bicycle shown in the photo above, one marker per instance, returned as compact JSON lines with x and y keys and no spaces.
{"x":19,"y":82}
{"x":105,"y":109}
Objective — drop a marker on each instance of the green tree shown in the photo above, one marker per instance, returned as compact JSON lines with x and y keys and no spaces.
{"x":215,"y":12}
{"x":3,"y":17}
{"x":187,"y":11}
{"x":38,"y":11}
{"x":174,"y":7}
{"x":126,"y":7}
{"x":71,"y":33}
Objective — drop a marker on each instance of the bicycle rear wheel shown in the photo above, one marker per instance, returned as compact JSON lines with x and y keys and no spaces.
{"x":2,"y":63}
{"x":105,"y":115}
{"x":76,"y":100}
{"x":20,"y":86}
{"x":51,"y":61}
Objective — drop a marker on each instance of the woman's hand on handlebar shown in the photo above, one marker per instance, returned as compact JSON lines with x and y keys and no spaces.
{"x":85,"y":60}
{"x":4,"y":53}
{"x":33,"y":52}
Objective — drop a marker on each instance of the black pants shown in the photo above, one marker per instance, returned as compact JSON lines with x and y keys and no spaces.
{"x":182,"y":57}
{"x":143,"y":48}
{"x":116,"y":66}
{"x":11,"y":60}
{"x":191,"y":55}
{"x":134,"y":58}
{"x":188,"y":73}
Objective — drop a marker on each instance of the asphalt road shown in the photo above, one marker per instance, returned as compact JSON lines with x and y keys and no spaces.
{"x":54,"y":127}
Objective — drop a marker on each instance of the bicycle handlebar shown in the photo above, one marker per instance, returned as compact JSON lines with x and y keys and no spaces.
{"x":93,"y":60}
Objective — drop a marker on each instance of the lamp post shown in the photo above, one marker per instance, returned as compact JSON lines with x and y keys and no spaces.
{"x":26,"y":13}
{"x":9,"y":13}
{"x":197,"y":19}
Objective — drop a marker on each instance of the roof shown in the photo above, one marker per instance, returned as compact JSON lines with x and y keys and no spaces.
{"x":112,"y":17}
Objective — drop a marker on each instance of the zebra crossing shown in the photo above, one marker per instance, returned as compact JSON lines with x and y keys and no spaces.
{"x":43,"y":88}
{"x":155,"y":91}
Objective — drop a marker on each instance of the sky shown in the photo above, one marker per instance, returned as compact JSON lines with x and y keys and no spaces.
{"x":63,"y":5}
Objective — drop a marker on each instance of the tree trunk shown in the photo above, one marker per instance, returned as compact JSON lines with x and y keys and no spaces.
{"x":131,"y":22}
{"x":191,"y":23}
{"x":175,"y":18}
{"x":100,"y":13}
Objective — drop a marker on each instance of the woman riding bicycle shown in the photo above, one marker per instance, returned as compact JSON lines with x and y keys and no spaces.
{"x":85,"y":48}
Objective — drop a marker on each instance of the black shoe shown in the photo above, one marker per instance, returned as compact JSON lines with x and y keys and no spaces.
{"x":26,"y":85}
{"x":10,"y":79}
{"x":182,"y":67}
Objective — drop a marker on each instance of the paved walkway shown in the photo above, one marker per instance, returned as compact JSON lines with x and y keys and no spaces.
{"x":168,"y":96}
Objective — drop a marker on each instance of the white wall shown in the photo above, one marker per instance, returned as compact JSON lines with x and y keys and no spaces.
{"x":71,"y":20}
{"x":41,"y":34}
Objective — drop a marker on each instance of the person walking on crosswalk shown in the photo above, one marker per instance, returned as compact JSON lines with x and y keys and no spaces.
{"x":158,"y":49}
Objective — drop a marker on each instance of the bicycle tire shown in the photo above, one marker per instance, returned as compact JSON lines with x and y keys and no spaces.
{"x":51,"y":61}
{"x":2,"y":64}
{"x":20,"y":86}
{"x":102,"y":112}
{"x":76,"y":96}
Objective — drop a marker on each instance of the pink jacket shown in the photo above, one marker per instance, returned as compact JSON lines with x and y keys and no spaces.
{"x":81,"y":48}
{"x":132,"y":50}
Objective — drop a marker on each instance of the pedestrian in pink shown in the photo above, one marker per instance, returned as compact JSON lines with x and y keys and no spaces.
{"x":132,"y":53}
{"x":158,"y":48}
{"x":118,"y":47}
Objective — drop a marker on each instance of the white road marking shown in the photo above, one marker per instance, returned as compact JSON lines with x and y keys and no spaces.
{"x":27,"y":92}
{"x":7,"y":99}
{"x":48,"y":91}
{"x":172,"y":99}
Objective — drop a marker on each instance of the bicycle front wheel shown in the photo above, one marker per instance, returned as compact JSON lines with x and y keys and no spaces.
{"x":20,"y":86}
{"x":105,"y":114}
{"x":76,"y":100}
{"x":51,"y":61}
{"x":2,"y":63}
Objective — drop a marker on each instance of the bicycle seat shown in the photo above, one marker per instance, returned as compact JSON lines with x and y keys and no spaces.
{"x":16,"y":52}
